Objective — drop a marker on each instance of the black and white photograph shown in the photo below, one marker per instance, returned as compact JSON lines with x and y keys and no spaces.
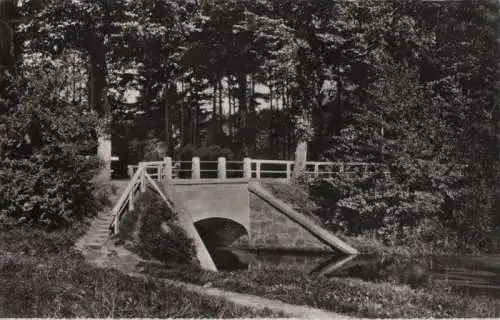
{"x":311,"y":159}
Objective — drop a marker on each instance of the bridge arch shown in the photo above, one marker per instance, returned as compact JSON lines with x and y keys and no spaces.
{"x":220,"y":232}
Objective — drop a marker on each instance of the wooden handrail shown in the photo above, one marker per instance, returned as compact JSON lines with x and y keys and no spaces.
{"x":155,"y":186}
{"x":125,"y":197}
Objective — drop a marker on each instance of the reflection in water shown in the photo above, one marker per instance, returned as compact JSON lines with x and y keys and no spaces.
{"x":476,"y":275}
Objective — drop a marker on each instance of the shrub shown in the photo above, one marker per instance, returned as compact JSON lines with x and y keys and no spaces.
{"x":420,"y":198}
{"x":153,"y":242}
{"x":45,"y":178}
{"x":38,"y":191}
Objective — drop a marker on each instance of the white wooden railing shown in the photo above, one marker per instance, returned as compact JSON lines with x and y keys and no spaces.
{"x":248,"y":168}
{"x":138,"y":182}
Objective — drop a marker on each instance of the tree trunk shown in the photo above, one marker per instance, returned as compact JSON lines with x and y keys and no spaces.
{"x":195,"y":126}
{"x":230,"y":102}
{"x":8,"y":12}
{"x":214,"y":113}
{"x":252,"y":116}
{"x":167,"y":123}
{"x":182,"y":141}
{"x":242,"y":101}
{"x":221,"y":116}
{"x":97,"y":85}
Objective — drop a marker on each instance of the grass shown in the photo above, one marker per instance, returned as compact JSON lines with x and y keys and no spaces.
{"x":294,"y":196}
{"x":350,"y":296}
{"x":40,"y":276}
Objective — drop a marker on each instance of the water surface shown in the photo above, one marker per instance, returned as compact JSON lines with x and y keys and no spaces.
{"x":472,"y":274}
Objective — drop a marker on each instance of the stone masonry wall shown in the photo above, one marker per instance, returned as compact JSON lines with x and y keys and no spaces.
{"x":272,"y":229}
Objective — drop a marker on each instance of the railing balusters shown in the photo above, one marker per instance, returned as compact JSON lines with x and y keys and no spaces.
{"x":131,"y":200}
{"x":195,"y":167}
{"x":247,"y":168}
{"x":168,"y":168}
{"x":142,"y":168}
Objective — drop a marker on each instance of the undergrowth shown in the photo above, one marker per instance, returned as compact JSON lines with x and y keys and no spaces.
{"x":159,"y":235}
{"x":40,"y":276}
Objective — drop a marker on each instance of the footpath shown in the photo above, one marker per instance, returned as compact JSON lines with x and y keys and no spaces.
{"x":98,"y":249}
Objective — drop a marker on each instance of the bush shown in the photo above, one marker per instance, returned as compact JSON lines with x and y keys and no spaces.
{"x":420,"y":202}
{"x":45,"y":178}
{"x":153,"y":242}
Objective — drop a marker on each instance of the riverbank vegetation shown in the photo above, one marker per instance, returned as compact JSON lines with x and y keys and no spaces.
{"x":153,"y":232}
{"x":41,"y":276}
{"x":355,"y":297}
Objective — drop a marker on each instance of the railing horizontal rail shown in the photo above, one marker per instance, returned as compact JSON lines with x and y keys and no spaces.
{"x":271,"y":161}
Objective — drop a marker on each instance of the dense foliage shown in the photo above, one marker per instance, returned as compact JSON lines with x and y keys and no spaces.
{"x":409,"y":84}
{"x":45,"y":174}
{"x":153,"y":231}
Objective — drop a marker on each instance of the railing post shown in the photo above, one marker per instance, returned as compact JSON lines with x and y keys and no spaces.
{"x":257,"y":169}
{"x":316,"y":170}
{"x":116,"y":228}
{"x":159,"y":173}
{"x":221,"y":168}
{"x":131,"y":200}
{"x":195,"y":168}
{"x":288,"y":170}
{"x":247,"y":168}
{"x":341,"y":167}
{"x":168,"y":168}
{"x":142,"y":167}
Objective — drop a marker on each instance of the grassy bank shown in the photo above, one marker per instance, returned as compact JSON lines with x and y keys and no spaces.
{"x":40,"y":276}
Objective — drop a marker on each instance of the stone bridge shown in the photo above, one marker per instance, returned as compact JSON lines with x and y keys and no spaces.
{"x":222,"y":203}
{"x":246,"y":215}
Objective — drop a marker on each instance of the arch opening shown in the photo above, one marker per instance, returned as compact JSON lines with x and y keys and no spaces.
{"x":217,"y":235}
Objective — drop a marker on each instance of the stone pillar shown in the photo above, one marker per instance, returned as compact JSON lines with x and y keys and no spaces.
{"x":247,"y":168}
{"x":104,"y":155}
{"x":168,"y":168}
{"x":299,"y":165}
{"x":221,"y":168}
{"x":195,"y":168}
